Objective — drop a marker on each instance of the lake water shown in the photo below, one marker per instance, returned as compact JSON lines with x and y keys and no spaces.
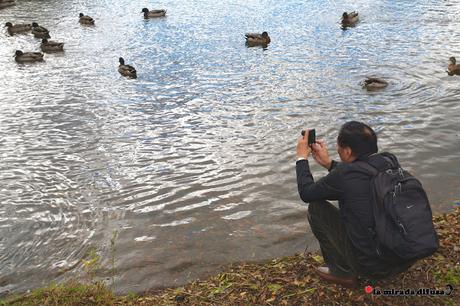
{"x":193,"y":163}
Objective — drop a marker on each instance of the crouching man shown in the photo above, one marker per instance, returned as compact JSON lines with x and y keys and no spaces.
{"x":347,"y":235}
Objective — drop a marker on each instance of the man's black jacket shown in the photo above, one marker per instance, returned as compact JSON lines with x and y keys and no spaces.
{"x":350,"y":185}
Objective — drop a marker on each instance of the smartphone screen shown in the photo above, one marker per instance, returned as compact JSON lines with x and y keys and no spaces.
{"x":311,"y":137}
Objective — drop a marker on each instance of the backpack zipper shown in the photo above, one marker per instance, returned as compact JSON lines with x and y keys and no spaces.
{"x":402,"y":227}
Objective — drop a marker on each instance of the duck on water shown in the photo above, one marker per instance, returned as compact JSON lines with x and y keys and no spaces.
{"x":28,"y":57}
{"x":18,"y":28}
{"x":453,"y":68}
{"x":374,"y":83}
{"x":84,"y":19}
{"x":153,"y":13}
{"x":51,"y":46}
{"x":349,"y":19}
{"x":39,"y":31}
{"x":257,"y":39}
{"x":126,"y":70}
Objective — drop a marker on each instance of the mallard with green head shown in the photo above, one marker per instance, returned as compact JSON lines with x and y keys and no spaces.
{"x":126,"y":70}
{"x":349,"y":19}
{"x":256,"y":39}
{"x":86,"y":19}
{"x":374,"y":84}
{"x":39,"y":31}
{"x":28,"y":57}
{"x":453,"y":67}
{"x":17,"y":28}
{"x":153,"y":13}
{"x":51,"y":46}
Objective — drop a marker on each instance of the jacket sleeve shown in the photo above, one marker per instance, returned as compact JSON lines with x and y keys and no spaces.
{"x":327,"y":188}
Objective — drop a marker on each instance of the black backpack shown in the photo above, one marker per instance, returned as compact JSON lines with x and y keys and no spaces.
{"x":403,"y":219}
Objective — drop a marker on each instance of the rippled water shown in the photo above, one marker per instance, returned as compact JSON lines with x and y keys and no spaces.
{"x":193,"y":163}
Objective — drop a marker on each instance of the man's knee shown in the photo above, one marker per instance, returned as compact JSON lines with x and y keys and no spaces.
{"x":316,"y":206}
{"x":319,"y":210}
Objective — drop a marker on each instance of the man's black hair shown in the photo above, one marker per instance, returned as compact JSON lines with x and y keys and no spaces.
{"x":359,"y":137}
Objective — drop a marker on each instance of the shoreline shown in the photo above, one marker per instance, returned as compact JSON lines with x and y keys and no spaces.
{"x":287,"y":280}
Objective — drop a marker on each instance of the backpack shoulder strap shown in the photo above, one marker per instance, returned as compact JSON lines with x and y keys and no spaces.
{"x":378,"y":163}
{"x":383,"y":161}
{"x":370,"y":169}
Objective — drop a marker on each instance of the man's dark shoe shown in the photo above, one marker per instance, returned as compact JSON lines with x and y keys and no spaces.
{"x":325,"y":273}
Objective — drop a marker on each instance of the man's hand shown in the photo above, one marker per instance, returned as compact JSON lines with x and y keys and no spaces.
{"x":320,"y":153}
{"x":303,"y":150}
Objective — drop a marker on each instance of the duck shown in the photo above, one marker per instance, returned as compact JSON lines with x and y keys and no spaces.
{"x":17,"y":28}
{"x":453,"y":67}
{"x":86,"y":19}
{"x":6,"y":3}
{"x":39,"y":31}
{"x":153,"y":13}
{"x":349,"y":19}
{"x":126,"y":70}
{"x":51,"y":46}
{"x":374,"y":83}
{"x":254,"y":39}
{"x":28,"y":57}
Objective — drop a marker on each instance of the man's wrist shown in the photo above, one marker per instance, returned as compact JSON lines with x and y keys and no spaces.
{"x":301,"y":158}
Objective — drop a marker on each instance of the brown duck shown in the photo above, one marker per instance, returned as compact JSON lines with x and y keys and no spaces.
{"x":349,"y":19}
{"x":453,"y":67}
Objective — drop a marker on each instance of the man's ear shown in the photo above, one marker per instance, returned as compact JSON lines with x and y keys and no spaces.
{"x":348,"y":153}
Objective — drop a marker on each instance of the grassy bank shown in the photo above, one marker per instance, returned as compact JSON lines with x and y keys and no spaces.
{"x":284,"y":281}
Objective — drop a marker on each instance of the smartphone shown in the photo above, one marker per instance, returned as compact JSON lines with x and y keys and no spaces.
{"x":311,"y":136}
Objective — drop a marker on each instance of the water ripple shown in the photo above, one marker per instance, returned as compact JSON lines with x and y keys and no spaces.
{"x":193,"y":163}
